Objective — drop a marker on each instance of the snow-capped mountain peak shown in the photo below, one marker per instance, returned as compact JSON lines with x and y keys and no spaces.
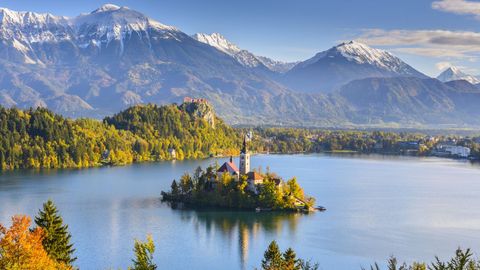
{"x":244,"y":57}
{"x":111,"y":22}
{"x":363,"y":54}
{"x":454,"y":73}
{"x":111,"y":16}
{"x":23,"y":18}
{"x":218,"y":41}
{"x":106,"y":7}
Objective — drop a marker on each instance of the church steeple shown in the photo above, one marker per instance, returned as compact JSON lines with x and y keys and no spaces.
{"x":244,"y":158}
{"x":244,"y":147}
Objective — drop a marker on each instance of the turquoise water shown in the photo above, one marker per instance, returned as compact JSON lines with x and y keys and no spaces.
{"x":377,"y":206}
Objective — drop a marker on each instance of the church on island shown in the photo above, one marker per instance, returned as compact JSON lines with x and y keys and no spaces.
{"x":253,"y":178}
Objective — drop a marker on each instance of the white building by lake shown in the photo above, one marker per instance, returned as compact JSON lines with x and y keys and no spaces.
{"x":455,"y":150}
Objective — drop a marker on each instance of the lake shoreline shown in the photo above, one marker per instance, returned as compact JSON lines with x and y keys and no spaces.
{"x":340,"y":153}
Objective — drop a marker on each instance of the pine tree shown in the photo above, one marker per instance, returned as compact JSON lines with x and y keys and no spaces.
{"x":144,"y":255}
{"x":57,"y":238}
{"x":272,"y":259}
{"x":175,"y":189}
{"x":290,"y":260}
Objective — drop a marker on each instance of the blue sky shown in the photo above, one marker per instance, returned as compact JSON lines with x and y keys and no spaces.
{"x":427,"y":34}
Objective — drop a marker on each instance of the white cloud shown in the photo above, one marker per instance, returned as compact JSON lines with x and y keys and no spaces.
{"x":458,"y":7}
{"x":431,"y":43}
{"x":443,"y":65}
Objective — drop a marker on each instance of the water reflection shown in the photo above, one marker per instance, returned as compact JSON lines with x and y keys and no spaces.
{"x":245,"y":227}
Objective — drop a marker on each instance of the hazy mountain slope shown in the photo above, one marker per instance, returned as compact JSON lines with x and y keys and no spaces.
{"x":343,"y":63}
{"x":407,"y":100}
{"x":463,"y":86}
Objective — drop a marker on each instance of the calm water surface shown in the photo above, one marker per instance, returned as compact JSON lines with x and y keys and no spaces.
{"x":414,"y":208}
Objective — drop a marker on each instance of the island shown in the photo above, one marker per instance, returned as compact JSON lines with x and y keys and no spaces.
{"x":232,"y":187}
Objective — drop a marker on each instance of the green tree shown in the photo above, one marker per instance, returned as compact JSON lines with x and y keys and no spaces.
{"x":295,"y":188}
{"x":175,"y":189}
{"x":272,"y":258}
{"x":57,"y":238}
{"x":144,"y":255}
{"x":186,"y":184}
{"x":393,"y":264}
{"x":290,"y":260}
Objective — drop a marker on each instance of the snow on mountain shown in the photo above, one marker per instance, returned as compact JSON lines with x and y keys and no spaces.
{"x":22,"y":30}
{"x":244,"y":57}
{"x":455,"y":74}
{"x":98,"y":28}
{"x":277,"y":66}
{"x":218,"y":41}
{"x":111,"y":22}
{"x":33,"y":27}
{"x":330,"y":69}
{"x":362,"y":54}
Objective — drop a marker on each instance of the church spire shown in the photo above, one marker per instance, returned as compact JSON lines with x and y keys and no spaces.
{"x":244,"y":158}
{"x":244,"y":148}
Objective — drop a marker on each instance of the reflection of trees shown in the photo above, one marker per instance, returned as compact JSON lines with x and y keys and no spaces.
{"x":246,"y":226}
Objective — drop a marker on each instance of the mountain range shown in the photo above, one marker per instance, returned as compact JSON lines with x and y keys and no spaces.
{"x":114,"y":57}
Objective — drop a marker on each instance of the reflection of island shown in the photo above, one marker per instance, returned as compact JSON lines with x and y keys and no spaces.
{"x":246,"y":226}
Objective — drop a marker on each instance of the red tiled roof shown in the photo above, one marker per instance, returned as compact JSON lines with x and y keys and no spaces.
{"x":254,"y":176}
{"x":228,"y":167}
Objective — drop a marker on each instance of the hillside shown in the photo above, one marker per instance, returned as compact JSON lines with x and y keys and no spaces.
{"x":409,"y":101}
{"x":41,"y":139}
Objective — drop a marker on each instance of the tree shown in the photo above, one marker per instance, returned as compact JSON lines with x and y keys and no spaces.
{"x":144,"y":255}
{"x":272,"y":258}
{"x":290,"y":260}
{"x":186,"y":184}
{"x":22,"y":248}
{"x":295,"y":189}
{"x":175,"y":189}
{"x":57,"y":238}
{"x":267,"y":196}
{"x":307,"y":265}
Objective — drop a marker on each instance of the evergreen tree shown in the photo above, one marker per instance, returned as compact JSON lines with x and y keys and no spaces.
{"x":144,"y":255}
{"x":272,"y":258}
{"x":290,"y":260}
{"x":57,"y":238}
{"x":175,"y":189}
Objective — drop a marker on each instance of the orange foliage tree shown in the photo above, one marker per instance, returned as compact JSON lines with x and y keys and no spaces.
{"x":21,"y":248}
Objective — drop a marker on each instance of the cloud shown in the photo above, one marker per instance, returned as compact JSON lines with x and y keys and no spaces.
{"x":458,"y":7}
{"x":431,"y":43}
{"x":443,"y":65}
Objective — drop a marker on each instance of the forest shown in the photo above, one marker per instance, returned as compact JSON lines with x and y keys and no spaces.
{"x":38,"y":138}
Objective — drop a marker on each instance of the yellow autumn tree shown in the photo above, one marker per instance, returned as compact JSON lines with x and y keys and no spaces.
{"x":22,"y":249}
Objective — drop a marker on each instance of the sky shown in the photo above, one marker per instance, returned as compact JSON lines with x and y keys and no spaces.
{"x":430,"y":35}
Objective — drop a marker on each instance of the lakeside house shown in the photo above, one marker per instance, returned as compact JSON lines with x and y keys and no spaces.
{"x":172,"y":153}
{"x":452,"y":150}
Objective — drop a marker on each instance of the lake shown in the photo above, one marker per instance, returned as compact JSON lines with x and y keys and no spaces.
{"x":414,"y":208}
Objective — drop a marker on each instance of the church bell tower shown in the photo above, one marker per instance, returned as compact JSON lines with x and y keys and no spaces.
{"x":244,"y":158}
